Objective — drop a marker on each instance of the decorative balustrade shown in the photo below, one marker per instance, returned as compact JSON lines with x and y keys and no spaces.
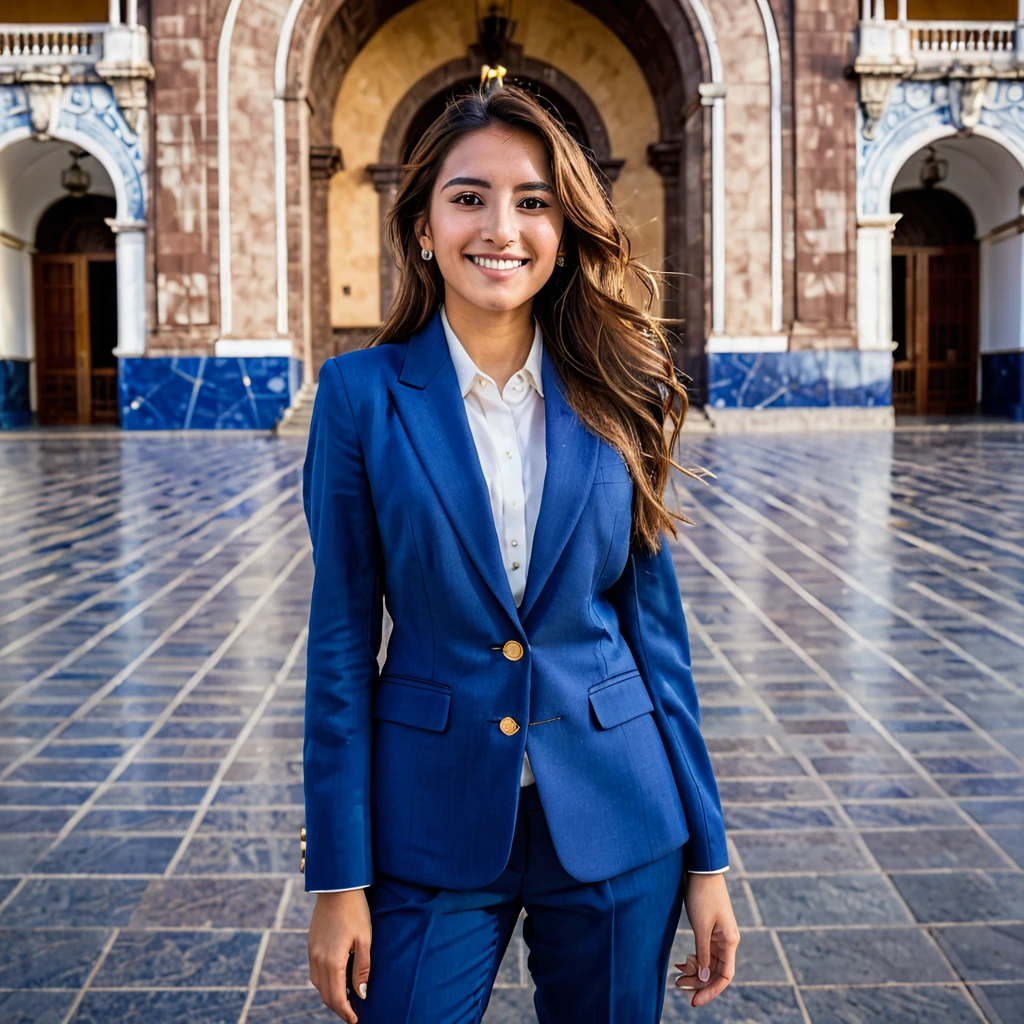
{"x":931,"y":46}
{"x":965,"y":38}
{"x":26,"y":45}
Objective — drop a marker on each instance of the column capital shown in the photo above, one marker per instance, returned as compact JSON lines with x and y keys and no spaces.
{"x":324,"y":162}
{"x":665,"y":157}
{"x":124,"y":226}
{"x":878,"y":222}
{"x":385,"y":176}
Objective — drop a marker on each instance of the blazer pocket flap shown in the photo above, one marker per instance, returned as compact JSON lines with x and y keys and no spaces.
{"x":412,"y":704}
{"x":620,"y":700}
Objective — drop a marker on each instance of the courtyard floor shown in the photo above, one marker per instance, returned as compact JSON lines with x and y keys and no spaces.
{"x":856,"y":611}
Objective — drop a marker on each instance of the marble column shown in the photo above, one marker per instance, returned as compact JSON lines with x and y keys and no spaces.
{"x":131,"y":286}
{"x":874,"y":280}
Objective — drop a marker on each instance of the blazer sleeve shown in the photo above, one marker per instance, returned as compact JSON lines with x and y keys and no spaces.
{"x":345,"y":619}
{"x":650,"y":610}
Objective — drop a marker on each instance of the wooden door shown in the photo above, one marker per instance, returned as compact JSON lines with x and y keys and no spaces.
{"x":935,"y":327}
{"x":62,"y":339}
{"x":76,"y":331}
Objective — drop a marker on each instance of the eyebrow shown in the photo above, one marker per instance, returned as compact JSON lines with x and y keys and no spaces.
{"x":526,"y":186}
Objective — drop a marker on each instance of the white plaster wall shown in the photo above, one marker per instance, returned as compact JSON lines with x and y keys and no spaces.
{"x":29,"y":184}
{"x":1002,"y":273}
{"x":988,"y":179}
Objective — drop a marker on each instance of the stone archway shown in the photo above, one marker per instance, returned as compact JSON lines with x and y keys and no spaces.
{"x":668,"y":39}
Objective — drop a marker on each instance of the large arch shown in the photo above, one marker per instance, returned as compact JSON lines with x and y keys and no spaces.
{"x":669,"y":41}
{"x":271,"y":100}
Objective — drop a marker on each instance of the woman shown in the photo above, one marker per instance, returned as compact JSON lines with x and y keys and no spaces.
{"x":494,"y":462}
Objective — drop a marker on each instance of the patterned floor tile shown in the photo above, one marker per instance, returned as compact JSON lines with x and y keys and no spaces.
{"x":866,"y":725}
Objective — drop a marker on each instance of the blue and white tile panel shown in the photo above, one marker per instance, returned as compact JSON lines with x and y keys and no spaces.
{"x":204,"y":393}
{"x":803,"y":379}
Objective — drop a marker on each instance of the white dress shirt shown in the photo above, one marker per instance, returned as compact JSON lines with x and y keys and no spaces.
{"x":509,"y":433}
{"x":508,"y":429}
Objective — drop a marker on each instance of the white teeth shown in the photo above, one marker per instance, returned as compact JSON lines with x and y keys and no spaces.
{"x":496,"y":264}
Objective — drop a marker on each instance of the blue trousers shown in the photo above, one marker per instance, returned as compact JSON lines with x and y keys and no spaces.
{"x":598,"y":952}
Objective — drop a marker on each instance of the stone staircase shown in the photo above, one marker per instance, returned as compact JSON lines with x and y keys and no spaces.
{"x":295,"y":421}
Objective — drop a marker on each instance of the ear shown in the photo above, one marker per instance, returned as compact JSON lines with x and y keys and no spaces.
{"x":423,"y":235}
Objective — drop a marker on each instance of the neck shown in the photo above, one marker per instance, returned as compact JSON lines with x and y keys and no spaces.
{"x":497,"y":340}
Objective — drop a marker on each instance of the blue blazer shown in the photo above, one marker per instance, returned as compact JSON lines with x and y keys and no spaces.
{"x":414,"y":771}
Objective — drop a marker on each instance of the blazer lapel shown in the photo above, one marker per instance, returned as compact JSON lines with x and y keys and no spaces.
{"x":433,"y":412}
{"x":572,"y":452}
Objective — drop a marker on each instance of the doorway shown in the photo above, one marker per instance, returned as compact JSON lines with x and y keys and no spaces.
{"x":935,"y":304}
{"x":75,"y":283}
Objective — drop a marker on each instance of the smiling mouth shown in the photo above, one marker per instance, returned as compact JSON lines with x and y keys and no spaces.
{"x":489,"y":263}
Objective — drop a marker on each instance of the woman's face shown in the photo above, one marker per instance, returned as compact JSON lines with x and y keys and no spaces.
{"x":494,"y":200}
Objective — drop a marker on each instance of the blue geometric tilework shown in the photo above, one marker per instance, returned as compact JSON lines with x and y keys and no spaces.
{"x":203,"y":393}
{"x":14,"y":400}
{"x":1002,"y":384}
{"x":789,"y":380}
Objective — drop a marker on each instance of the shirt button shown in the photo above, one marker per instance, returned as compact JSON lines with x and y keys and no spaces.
{"x":515,"y":565}
{"x":515,"y":543}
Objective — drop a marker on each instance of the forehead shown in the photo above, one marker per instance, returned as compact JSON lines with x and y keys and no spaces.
{"x":500,"y":154}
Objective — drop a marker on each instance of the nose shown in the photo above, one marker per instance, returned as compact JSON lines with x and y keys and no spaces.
{"x":499,"y":229}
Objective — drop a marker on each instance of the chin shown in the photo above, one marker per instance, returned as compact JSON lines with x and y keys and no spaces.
{"x":496,"y":301}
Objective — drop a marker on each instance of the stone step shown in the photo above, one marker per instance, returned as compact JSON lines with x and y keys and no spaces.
{"x":296,"y":418}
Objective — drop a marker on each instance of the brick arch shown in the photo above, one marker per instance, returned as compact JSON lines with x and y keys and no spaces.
{"x":673,"y":44}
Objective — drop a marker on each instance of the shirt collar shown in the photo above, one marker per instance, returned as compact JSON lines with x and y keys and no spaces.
{"x":467,"y":371}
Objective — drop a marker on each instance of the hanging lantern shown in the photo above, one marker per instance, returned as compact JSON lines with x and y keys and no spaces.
{"x":933,"y":170}
{"x":495,"y":29}
{"x":76,"y":179}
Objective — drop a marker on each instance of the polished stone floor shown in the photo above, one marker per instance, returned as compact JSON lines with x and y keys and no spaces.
{"x":856,"y":608}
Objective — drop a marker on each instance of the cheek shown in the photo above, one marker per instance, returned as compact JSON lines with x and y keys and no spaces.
{"x":451,"y":236}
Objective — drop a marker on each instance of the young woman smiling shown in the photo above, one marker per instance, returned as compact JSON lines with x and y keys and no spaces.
{"x":494,"y":463}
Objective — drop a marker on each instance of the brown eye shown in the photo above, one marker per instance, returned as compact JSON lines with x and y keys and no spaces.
{"x":468,"y":195}
{"x":534,"y":199}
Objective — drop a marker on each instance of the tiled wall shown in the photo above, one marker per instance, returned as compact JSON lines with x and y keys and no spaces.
{"x":202,"y":393}
{"x":790,"y":380}
{"x":1002,"y":384}
{"x":14,"y":400}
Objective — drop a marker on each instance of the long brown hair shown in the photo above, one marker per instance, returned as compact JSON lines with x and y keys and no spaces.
{"x":613,"y":354}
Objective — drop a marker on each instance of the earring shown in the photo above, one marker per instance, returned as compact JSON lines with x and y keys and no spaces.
{"x":426,"y":254}
{"x":560,"y":260}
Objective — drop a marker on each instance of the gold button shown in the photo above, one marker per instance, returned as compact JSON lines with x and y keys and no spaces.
{"x":509,"y":726}
{"x":513,"y":650}
{"x":515,"y":565}
{"x":302,"y":849}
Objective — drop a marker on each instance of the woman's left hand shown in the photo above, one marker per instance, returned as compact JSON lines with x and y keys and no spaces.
{"x":709,"y":909}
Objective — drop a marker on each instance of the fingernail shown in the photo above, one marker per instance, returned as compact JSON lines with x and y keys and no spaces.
{"x":704,"y":973}
{"x":362,"y":990}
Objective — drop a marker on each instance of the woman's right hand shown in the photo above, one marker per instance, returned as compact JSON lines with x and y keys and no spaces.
{"x":340,"y":924}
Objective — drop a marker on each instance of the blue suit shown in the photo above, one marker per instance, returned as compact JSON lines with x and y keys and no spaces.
{"x":413,"y":773}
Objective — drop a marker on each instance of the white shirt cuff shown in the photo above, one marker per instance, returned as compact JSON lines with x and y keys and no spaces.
{"x":349,"y":889}
{"x":719,"y":871}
